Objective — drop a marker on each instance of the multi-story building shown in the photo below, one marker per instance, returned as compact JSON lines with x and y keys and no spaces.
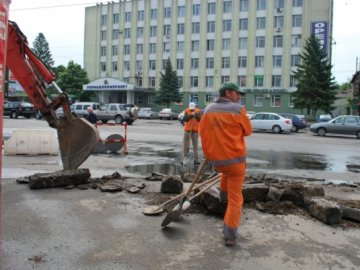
{"x":253,"y":42}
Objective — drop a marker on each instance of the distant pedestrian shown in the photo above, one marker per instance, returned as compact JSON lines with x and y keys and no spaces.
{"x":191,"y":120}
{"x":91,"y":116}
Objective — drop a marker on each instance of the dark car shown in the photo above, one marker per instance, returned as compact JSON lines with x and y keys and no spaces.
{"x":298,"y":121}
{"x":14,"y":109}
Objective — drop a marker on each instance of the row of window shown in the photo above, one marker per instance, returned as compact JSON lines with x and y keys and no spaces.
{"x":196,"y":10}
{"x":211,"y":25}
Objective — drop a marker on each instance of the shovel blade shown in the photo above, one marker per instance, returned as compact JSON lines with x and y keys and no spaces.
{"x":171,"y":216}
{"x":77,"y":139}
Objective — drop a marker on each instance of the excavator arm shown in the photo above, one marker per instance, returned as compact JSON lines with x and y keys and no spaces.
{"x":77,"y":137}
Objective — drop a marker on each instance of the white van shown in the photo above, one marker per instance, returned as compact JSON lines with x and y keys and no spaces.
{"x":80,"y":108}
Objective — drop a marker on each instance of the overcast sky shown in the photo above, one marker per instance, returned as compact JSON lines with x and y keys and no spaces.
{"x":62,"y":23}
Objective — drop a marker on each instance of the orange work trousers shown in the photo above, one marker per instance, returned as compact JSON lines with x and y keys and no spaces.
{"x":231,"y":185}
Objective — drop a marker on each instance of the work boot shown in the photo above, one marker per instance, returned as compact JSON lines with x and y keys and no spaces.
{"x":230,"y":242}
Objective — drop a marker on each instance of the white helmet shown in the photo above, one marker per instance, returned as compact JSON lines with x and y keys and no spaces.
{"x":192,"y":105}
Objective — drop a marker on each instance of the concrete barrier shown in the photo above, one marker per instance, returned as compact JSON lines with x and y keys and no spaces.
{"x":32,"y":142}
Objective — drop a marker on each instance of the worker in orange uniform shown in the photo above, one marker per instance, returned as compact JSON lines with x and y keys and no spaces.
{"x":223,"y":126}
{"x":191,"y":122}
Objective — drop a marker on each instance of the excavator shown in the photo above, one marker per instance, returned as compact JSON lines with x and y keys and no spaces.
{"x":77,"y":137}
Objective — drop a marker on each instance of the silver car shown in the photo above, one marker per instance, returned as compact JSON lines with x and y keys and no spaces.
{"x":147,"y":113}
{"x":266,"y":121}
{"x":344,"y":125}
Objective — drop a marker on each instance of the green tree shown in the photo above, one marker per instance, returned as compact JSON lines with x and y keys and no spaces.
{"x":41,"y":49}
{"x":71,"y":81}
{"x":169,"y":86}
{"x":316,"y":87}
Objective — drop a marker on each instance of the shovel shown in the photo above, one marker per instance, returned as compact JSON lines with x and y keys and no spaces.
{"x":158,"y":209}
{"x":177,"y":211}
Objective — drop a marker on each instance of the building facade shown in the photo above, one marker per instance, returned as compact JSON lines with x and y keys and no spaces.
{"x":253,"y":42}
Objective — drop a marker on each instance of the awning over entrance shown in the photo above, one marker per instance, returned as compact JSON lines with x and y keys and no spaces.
{"x":107,"y":84}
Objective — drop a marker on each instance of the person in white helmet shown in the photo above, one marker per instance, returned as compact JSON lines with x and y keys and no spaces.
{"x":191,"y":120}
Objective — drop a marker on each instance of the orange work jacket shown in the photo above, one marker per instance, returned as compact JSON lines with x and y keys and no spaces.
{"x":223,"y":126}
{"x":192,"y":122}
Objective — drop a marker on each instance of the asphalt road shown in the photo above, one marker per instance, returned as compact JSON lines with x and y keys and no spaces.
{"x":87,"y":229}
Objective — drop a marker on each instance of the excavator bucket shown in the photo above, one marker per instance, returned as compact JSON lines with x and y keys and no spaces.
{"x":77,"y":139}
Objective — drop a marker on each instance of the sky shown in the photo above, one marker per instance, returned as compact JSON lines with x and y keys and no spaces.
{"x":62,"y":23}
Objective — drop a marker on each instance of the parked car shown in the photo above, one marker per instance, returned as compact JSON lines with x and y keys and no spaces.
{"x":250,"y":114}
{"x":167,"y":113}
{"x":267,"y":121}
{"x":344,"y":124}
{"x":80,"y":108}
{"x":14,"y":109}
{"x":147,"y":113}
{"x":117,"y":112}
{"x":324,"y":118}
{"x":298,"y":121}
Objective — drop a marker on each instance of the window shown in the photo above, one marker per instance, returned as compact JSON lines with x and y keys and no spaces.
{"x":152,"y":48}
{"x":279,"y":21}
{"x":181,"y":29}
{"x":138,"y":81}
{"x":278,"y":41}
{"x":226,"y":25}
{"x":242,"y":81}
{"x":244,"y":5}
{"x":153,"y":31}
{"x":181,"y":11}
{"x":276,"y":81}
{"x":226,"y":43}
{"x":259,"y":80}
{"x":195,"y":46}
{"x":211,"y":8}
{"x":242,"y":62}
{"x":243,"y":43}
{"x":102,"y":51}
{"x":211,"y":27}
{"x":103,"y":66}
{"x":103,"y":35}
{"x":115,"y":18}
{"x":293,"y":81}
{"x":152,"y":64}
{"x":127,"y":33}
{"x":225,"y":62}
{"x":297,"y":3}
{"x":166,"y":47}
{"x":194,"y":81}
{"x":275,"y":101}
{"x":103,"y":20}
{"x":209,"y":81}
{"x":279,"y":3}
{"x":138,"y":65}
{"x":194,"y":98}
{"x":277,"y":60}
{"x":209,"y":62}
{"x":153,"y":14}
{"x":260,"y":4}
{"x":227,"y":6}
{"x":180,"y":81}
{"x":260,"y":42}
{"x":258,"y":101}
{"x":127,"y":65}
{"x":167,"y":12}
{"x":209,"y":98}
{"x":295,"y":60}
{"x":114,"y":50}
{"x":152,"y":81}
{"x":139,"y":49}
{"x":260,"y":23}
{"x":296,"y":41}
{"x":243,"y":24}
{"x":179,"y":64}
{"x":225,"y":79}
{"x":297,"y":20}
{"x":210,"y":44}
{"x":180,"y":46}
{"x":126,"y":49}
{"x":140,"y":32}
{"x":194,"y":63}
{"x":115,"y":34}
{"x":167,"y":30}
{"x":114,"y":66}
{"x":259,"y":61}
{"x":140,"y":16}
{"x":127,"y":16}
{"x":195,"y":27}
{"x":196,"y":9}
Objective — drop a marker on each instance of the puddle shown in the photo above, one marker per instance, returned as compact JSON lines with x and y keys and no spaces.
{"x":270,"y":160}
